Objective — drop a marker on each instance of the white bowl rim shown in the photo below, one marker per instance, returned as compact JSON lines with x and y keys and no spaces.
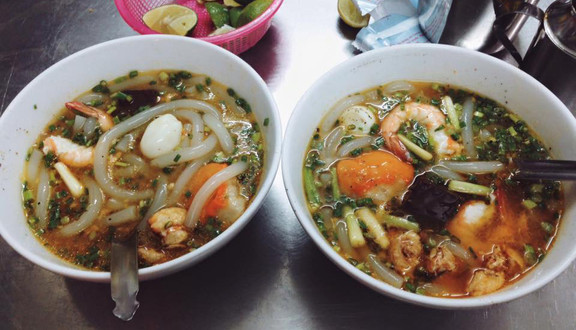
{"x":215,"y":244}
{"x":305,"y":219}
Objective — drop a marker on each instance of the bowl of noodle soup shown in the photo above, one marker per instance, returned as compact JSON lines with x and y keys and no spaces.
{"x":181,"y":82}
{"x":384,"y":212}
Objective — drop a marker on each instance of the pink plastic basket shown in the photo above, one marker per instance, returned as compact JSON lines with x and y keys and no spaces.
{"x":237,"y":41}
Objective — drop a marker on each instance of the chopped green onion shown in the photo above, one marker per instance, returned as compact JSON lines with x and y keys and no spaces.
{"x":28,"y":195}
{"x":121,"y":164}
{"x":335,"y":185}
{"x":133,"y":74}
{"x":469,"y":188}
{"x":547,"y":227}
{"x":354,"y":231}
{"x":529,"y":204}
{"x":266,"y":121}
{"x":530,"y":255}
{"x":448,"y":106}
{"x":402,"y":223}
{"x":413,"y":147}
{"x":311,"y":190}
{"x":177,"y":158}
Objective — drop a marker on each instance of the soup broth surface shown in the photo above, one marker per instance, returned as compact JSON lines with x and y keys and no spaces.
{"x":413,"y":183}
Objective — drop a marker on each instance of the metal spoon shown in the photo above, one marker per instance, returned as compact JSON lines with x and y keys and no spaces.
{"x":124,"y":276}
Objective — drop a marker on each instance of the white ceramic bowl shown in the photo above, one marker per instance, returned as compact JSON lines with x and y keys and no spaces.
{"x":436,"y":63}
{"x":21,"y":123}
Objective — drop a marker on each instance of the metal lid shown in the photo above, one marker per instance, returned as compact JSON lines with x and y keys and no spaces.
{"x":560,"y":25}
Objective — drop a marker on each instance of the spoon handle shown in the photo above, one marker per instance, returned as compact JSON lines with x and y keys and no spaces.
{"x":124,"y":277}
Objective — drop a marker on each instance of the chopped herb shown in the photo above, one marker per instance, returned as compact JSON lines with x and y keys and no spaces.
{"x":90,"y":258}
{"x":177,"y":158}
{"x":208,"y":81}
{"x":102,"y":87}
{"x":133,"y":74}
{"x":356,"y":152}
{"x":266,"y":121}
{"x":188,"y":194}
{"x":244,"y":104}
{"x":49,"y":159}
{"x":168,"y":170}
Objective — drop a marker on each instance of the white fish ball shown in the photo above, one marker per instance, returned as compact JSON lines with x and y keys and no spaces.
{"x":161,"y":136}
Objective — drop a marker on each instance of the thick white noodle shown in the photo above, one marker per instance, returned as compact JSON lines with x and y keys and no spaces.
{"x":447,"y":173}
{"x":79,"y":122}
{"x":43,"y":198}
{"x":186,"y":154}
{"x":331,"y":143}
{"x":336,"y":111}
{"x":477,"y":167}
{"x":326,"y":213}
{"x":92,"y":97}
{"x":467,"y":133}
{"x":123,"y":216}
{"x":208,"y":189}
{"x":126,"y":143}
{"x":34,"y":165}
{"x":458,"y":251}
{"x":195,"y":80}
{"x":101,"y":152}
{"x":114,"y":204}
{"x":221,"y":132}
{"x":397,"y":86}
{"x":348,"y":147}
{"x":96,"y":201}
{"x":343,"y":239}
{"x":185,"y":177}
{"x":137,"y":165}
{"x":159,"y":200}
{"x":201,"y":106}
{"x":132,"y":82}
{"x":229,"y":101}
{"x":185,"y":141}
{"x":386,"y":274}
{"x":90,"y":127}
{"x":434,"y":289}
{"x":197,"y":125}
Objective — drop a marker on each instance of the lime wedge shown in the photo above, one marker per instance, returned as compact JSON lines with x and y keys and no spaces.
{"x":221,"y":30}
{"x":234,"y":15}
{"x":231,"y":3}
{"x":253,"y":10}
{"x":171,"y":19}
{"x":351,"y":15}
{"x":218,"y":14}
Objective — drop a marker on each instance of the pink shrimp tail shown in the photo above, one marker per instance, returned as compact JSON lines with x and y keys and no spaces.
{"x":397,"y":147}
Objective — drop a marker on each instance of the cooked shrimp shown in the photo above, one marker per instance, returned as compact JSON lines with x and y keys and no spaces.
{"x":505,"y":260}
{"x":226,"y":203}
{"x":169,"y":223}
{"x":150,"y":255}
{"x":430,"y":117}
{"x":405,"y":251}
{"x":485,"y":281}
{"x":440,"y":260}
{"x":68,"y":152}
{"x":104,"y":119}
{"x":378,"y":175}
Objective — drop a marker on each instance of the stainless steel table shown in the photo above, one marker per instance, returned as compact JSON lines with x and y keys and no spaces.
{"x":271,"y":276}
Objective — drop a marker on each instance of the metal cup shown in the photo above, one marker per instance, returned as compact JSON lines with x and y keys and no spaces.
{"x":551,"y":57}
